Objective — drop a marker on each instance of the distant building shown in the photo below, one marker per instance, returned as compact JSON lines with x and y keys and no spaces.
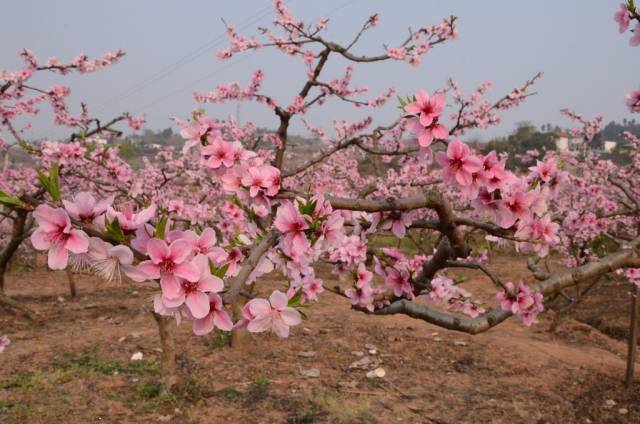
{"x":609,"y":145}
{"x":565,"y":142}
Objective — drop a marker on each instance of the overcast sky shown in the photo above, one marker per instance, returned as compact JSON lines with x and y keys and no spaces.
{"x":171,"y":49}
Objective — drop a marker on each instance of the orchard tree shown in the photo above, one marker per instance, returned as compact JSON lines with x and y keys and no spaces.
{"x":237,"y":204}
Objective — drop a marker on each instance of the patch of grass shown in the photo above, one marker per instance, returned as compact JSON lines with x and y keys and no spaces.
{"x":148,"y":389}
{"x":341,"y":410}
{"x":230,"y":394}
{"x":191,"y":389}
{"x":19,"y":411}
{"x":258,"y":390}
{"x":32,"y":381}
{"x":306,"y":417}
{"x":219,"y":340}
{"x":88,"y":362}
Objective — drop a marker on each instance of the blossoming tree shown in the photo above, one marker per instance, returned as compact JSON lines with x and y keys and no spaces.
{"x":237,"y":204}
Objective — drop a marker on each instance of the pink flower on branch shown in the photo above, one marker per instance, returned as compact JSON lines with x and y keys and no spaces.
{"x":4,"y":342}
{"x":130,"y":220}
{"x":55,"y":234}
{"x":109,"y":261}
{"x":270,"y":315}
{"x":169,"y":264}
{"x":522,"y":303}
{"x":216,"y":318}
{"x":426,"y":108}
{"x":193,"y":292}
{"x":622,"y":18}
{"x":292,"y":224}
{"x":86,"y":208}
{"x":458,"y":163}
{"x":632,"y":101}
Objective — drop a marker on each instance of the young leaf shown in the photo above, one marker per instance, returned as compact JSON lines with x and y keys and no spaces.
{"x":218,"y":272}
{"x":113,"y":230}
{"x":160,"y":228}
{"x":303,"y":315}
{"x":296,"y":299}
{"x":8,"y":200}
{"x":51,"y":182}
{"x":54,"y":181}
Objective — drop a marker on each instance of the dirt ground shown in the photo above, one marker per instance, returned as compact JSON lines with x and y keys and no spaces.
{"x":76,"y":367}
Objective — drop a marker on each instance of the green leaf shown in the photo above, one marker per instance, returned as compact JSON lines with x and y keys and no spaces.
{"x":160,"y":228}
{"x":307,"y":207}
{"x":303,"y":315}
{"x":296,"y":299}
{"x":44,"y":181}
{"x":54,"y":180}
{"x":51,"y":182}
{"x":8,"y":200}
{"x":218,"y":272}
{"x":113,"y":230}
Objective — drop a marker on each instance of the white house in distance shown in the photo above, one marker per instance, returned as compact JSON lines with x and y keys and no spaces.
{"x":566,"y":142}
{"x":609,"y":145}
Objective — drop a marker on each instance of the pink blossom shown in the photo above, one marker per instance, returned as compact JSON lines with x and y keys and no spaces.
{"x":635,"y":39}
{"x":271,"y":315}
{"x":55,"y":234}
{"x":633,"y":274}
{"x":622,"y":18}
{"x":522,"y":303}
{"x":216,"y":318}
{"x":85,"y":208}
{"x":426,"y":135}
{"x":333,"y":230}
{"x":363,"y":276}
{"x":398,"y":280}
{"x":4,"y":342}
{"x":170,"y":265}
{"x":427,"y":108}
{"x":129,"y":219}
{"x":397,"y":222}
{"x":519,"y":205}
{"x":312,"y":287}
{"x":109,"y":260}
{"x":292,"y":224}
{"x":204,"y":244}
{"x":459,"y":163}
{"x":633,"y":101}
{"x":219,"y":153}
{"x":361,"y":296}
{"x":192,"y":291}
{"x":545,"y":170}
{"x":397,"y":53}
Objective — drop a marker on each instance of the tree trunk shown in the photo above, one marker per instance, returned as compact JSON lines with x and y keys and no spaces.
{"x":166,"y":331}
{"x":17,"y":235}
{"x":24,"y":310}
{"x":633,"y":336}
{"x":240,"y":339}
{"x":72,"y":283}
{"x":18,"y":232}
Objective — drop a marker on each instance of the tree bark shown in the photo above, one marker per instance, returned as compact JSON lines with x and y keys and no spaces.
{"x":633,"y":336}
{"x":72,"y":283}
{"x":167,"y":342}
{"x":240,"y":339}
{"x":24,"y":310}
{"x":17,"y":235}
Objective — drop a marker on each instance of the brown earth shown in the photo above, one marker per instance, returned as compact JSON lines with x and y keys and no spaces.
{"x":75,"y":367}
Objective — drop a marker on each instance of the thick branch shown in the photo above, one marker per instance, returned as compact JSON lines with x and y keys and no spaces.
{"x":249,"y":265}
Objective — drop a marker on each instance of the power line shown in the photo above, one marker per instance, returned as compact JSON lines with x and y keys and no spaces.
{"x":226,"y":66}
{"x":169,"y":69}
{"x":191,"y":83}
